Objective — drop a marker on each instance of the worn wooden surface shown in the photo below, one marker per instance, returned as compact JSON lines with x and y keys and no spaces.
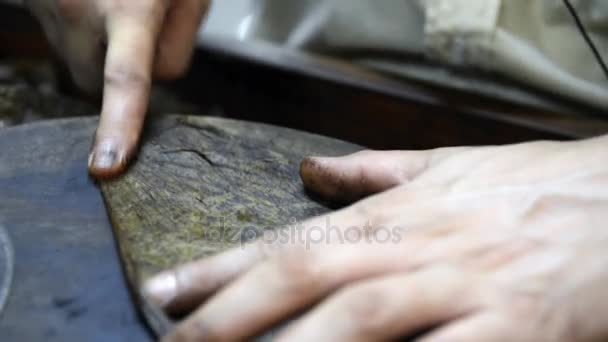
{"x":201,"y":185}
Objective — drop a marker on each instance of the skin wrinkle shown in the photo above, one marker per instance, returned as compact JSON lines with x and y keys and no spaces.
{"x":122,"y":76}
{"x":366,"y":304}
{"x":410,"y":174}
{"x":518,"y":251}
{"x":341,"y":181}
{"x":468,"y":196}
{"x":537,"y":209}
{"x":540,"y":202}
{"x":523,"y":250}
{"x":495,"y":255}
{"x":555,"y":324}
{"x":300,"y":269}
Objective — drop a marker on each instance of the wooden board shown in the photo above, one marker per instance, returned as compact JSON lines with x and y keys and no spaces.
{"x":201,"y":185}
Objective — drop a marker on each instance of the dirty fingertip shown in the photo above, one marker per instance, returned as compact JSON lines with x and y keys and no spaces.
{"x":310,"y":168}
{"x":319,"y":175}
{"x":106,"y":160}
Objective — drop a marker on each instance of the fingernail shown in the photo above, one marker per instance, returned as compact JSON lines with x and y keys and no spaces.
{"x":161,"y":288}
{"x":104,"y":156}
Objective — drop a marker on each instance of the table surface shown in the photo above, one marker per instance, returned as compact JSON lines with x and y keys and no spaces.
{"x":68,"y":282}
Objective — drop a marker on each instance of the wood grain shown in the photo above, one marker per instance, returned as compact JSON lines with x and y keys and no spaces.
{"x":202,"y":185}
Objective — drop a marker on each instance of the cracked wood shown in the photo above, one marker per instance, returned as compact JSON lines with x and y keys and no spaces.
{"x":202,"y":185}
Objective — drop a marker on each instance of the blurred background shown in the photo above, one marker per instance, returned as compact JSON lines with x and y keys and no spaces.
{"x":242,"y":69}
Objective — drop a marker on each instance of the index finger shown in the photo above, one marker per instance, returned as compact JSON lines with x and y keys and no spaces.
{"x":127,"y":79}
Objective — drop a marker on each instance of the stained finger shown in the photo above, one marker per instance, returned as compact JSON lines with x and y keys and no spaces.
{"x":364,"y":173}
{"x":127,"y":80}
{"x":184,"y":287}
{"x":283,"y":286}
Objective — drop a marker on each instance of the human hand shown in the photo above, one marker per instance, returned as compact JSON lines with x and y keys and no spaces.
{"x":122,"y":45}
{"x":479,"y":244}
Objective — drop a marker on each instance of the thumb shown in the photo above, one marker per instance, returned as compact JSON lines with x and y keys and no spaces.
{"x":353,"y":177}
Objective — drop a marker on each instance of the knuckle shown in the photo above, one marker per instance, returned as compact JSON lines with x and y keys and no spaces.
{"x":297,"y":270}
{"x":371,"y":214}
{"x":365,"y":306}
{"x":124,"y":77}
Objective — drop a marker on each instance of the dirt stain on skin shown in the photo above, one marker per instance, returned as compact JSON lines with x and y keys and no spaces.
{"x":322,"y":179}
